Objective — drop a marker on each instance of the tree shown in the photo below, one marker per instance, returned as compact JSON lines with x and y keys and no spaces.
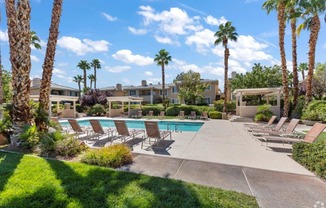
{"x":18,"y":24}
{"x":190,"y":88}
{"x":303,"y":67}
{"x":84,"y":65}
{"x":311,"y":11}
{"x":78,"y":79}
{"x":1,"y":82}
{"x":279,"y":5}
{"x":226,"y":32}
{"x":35,"y":40}
{"x":6,"y":85}
{"x":319,"y":81}
{"x":96,"y":64}
{"x":45,"y":89}
{"x":162,"y":59}
{"x":91,"y":78}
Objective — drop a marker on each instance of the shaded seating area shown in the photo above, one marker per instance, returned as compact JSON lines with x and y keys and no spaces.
{"x":154,"y":135}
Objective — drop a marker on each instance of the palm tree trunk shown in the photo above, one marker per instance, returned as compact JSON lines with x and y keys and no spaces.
{"x":294,"y":60}
{"x":95,"y":78}
{"x":315,"y":27}
{"x":302,"y":72}
{"x":226,"y":68}
{"x":85,"y":80}
{"x":79,"y":88}
{"x":45,"y":89}
{"x":163,"y":84}
{"x":19,"y":33}
{"x":1,"y":83}
{"x":281,"y":20}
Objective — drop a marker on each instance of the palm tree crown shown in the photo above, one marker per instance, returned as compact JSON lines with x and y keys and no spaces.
{"x":163,"y":58}
{"x":84,"y":65}
{"x":96,"y":64}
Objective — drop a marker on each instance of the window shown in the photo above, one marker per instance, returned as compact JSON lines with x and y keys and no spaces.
{"x":174,"y":100}
{"x":132,"y":92}
{"x":165,"y":92}
{"x":208,"y":88}
{"x":207,"y":100}
{"x":174,"y":90}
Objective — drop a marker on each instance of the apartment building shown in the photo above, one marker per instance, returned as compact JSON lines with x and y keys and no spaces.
{"x":56,"y":89}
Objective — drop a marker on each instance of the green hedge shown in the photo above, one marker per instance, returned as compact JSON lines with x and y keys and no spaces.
{"x":312,"y":156}
{"x":175,"y":109}
{"x":315,"y":111}
{"x":215,"y":115}
{"x":155,"y":108}
{"x":264,"y":113}
{"x":230,"y":106}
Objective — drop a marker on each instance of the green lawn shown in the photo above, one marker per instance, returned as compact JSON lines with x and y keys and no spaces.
{"x":29,"y":181}
{"x":322,"y":136}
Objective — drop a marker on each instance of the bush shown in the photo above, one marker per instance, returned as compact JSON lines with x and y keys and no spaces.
{"x":97,"y":109}
{"x":215,"y":115}
{"x":69,"y":147}
{"x":80,"y":108}
{"x":263,"y":113}
{"x":48,"y":142}
{"x":29,"y":138}
{"x":297,"y":111}
{"x":230,"y":106}
{"x":155,"y":108}
{"x":315,"y":111}
{"x":312,"y":156}
{"x":113,"y":156}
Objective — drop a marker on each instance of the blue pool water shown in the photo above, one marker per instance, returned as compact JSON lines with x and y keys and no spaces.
{"x":163,"y":125}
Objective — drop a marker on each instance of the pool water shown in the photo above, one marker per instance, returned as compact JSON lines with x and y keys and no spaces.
{"x":163,"y":125}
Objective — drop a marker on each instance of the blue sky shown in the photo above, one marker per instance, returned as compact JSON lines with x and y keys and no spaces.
{"x":126,"y":35}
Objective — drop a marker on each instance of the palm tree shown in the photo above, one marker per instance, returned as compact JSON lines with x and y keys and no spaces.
{"x":19,"y":35}
{"x":303,"y":67}
{"x":84,"y":65}
{"x":279,"y":5}
{"x":78,"y":79}
{"x":91,"y":78}
{"x":311,"y":11}
{"x":162,"y":59}
{"x":96,"y":64}
{"x":45,"y":89}
{"x":35,"y":40}
{"x":1,"y":83}
{"x":225,"y":33}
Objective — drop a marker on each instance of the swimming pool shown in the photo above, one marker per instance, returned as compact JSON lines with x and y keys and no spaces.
{"x":136,"y":124}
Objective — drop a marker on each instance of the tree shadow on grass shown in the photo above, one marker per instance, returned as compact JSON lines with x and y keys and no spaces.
{"x":8,"y":166}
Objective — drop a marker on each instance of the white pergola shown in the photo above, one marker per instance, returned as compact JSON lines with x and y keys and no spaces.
{"x":122,"y":99}
{"x":57,"y":99}
{"x":250,"y":111}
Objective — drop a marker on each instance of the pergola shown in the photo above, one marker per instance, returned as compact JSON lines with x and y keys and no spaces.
{"x":250,"y":111}
{"x":58,"y":99}
{"x":122,"y":99}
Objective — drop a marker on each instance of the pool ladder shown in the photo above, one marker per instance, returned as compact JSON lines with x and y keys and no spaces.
{"x":168,"y":127}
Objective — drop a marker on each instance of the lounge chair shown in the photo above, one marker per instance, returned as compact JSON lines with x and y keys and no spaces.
{"x":150,"y":114}
{"x":78,"y":130}
{"x":123,"y":132}
{"x":181,"y":115}
{"x":204,"y":115}
{"x":278,"y":127}
{"x":289,"y":130}
{"x":64,"y":129}
{"x":162,"y":115}
{"x":138,"y":115}
{"x":310,"y":137}
{"x":268,"y":124}
{"x":192,"y":115}
{"x":153,"y":132}
{"x":98,"y":129}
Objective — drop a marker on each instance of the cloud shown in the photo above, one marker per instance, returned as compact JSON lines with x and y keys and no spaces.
{"x":62,"y":64}
{"x":34,"y":58}
{"x":82,"y":47}
{"x":3,"y":36}
{"x":166,"y":40}
{"x":117,"y":69}
{"x":184,"y":66}
{"x":269,"y":34}
{"x":58,"y":71}
{"x":109,"y":17}
{"x":192,"y":9}
{"x":148,"y":73}
{"x":203,"y":40}
{"x":213,"y":21}
{"x":126,"y":56}
{"x":137,"y":31}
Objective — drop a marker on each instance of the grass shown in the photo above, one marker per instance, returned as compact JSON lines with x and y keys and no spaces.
{"x":29,"y":181}
{"x":321,"y":137}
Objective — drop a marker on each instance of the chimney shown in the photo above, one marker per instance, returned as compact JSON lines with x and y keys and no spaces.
{"x":36,"y":82}
{"x":233,"y":74}
{"x":119,"y":86}
{"x":143,"y":83}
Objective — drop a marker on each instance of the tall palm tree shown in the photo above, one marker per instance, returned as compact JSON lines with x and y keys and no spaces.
{"x":35,"y":40}
{"x":96,"y":64}
{"x":91,"y":78}
{"x":78,"y":79}
{"x":19,"y":34}
{"x":303,"y":67}
{"x":1,"y":83}
{"x":84,"y":65}
{"x":311,"y":11}
{"x":45,"y":89}
{"x":162,"y":59}
{"x":225,"y":33}
{"x":279,"y":5}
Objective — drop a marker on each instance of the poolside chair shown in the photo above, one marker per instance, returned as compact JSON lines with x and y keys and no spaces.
{"x":64,"y":129}
{"x":204,"y":115}
{"x":98,"y":130}
{"x":153,"y":133}
{"x":278,"y":126}
{"x":289,"y":130}
{"x":123,"y":132}
{"x":138,"y":115}
{"x":310,"y":137}
{"x":162,"y":115}
{"x":181,"y":115}
{"x":150,"y":114}
{"x":78,"y":130}
{"x":192,"y":115}
{"x":268,"y":124}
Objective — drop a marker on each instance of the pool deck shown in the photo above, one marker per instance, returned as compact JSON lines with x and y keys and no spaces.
{"x":221,"y":154}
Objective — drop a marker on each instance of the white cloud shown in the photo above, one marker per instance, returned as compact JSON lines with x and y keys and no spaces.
{"x":126,"y":56}
{"x":203,"y":40}
{"x":215,"y":70}
{"x":184,"y":66}
{"x":148,"y":73}
{"x":137,"y":31}
{"x":166,"y":40}
{"x":57,"y":71}
{"x":109,"y":17}
{"x":213,"y":21}
{"x":34,"y":58}
{"x":117,"y":69}
{"x":82,"y":47}
{"x":126,"y":81}
{"x":62,"y":64}
{"x":3,"y":36}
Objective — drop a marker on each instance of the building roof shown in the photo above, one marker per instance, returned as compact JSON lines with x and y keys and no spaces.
{"x":55,"y":86}
{"x":258,"y":91}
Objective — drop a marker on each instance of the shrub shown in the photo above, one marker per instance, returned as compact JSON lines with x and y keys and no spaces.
{"x":29,"y":138}
{"x":93,"y":97}
{"x":219,"y":104}
{"x":175,"y":109}
{"x":80,"y":108}
{"x":113,"y":156}
{"x":312,"y":156}
{"x":215,"y":115}
{"x":69,"y":147}
{"x":155,"y":108}
{"x":263,"y":113}
{"x":297,"y":111}
{"x":97,"y":109}
{"x":315,"y":111}
{"x":48,"y":142}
